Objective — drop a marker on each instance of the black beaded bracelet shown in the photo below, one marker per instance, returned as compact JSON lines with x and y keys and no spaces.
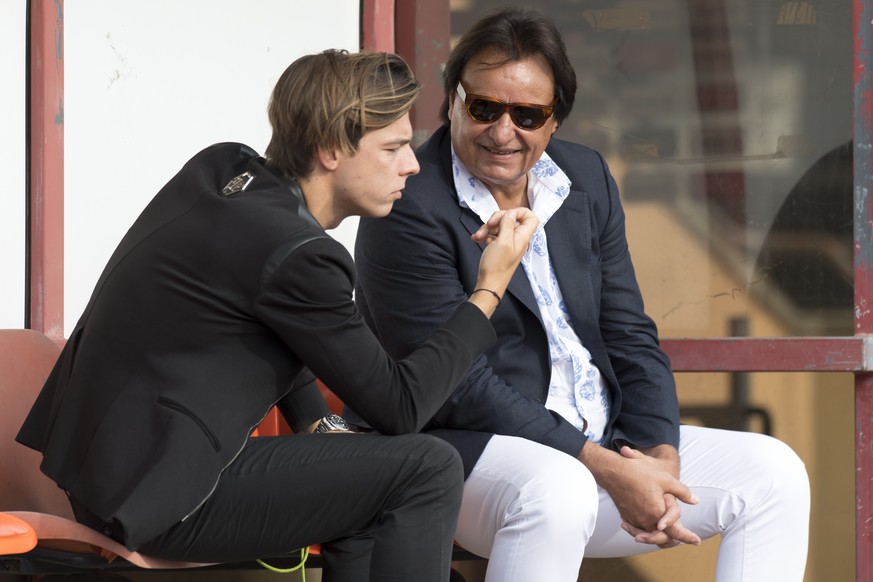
{"x":488,"y":291}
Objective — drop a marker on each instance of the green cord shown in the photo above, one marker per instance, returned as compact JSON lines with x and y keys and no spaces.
{"x":304,"y":553}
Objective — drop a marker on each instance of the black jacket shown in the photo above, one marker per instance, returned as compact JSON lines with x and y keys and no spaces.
{"x":212,"y":309}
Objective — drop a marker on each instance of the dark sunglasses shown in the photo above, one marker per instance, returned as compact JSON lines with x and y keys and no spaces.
{"x":488,"y":110}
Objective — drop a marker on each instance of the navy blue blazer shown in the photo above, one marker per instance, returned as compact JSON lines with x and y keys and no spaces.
{"x":418,"y":264}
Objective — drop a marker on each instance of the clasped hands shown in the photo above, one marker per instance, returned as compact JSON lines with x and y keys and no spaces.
{"x":645,"y":488}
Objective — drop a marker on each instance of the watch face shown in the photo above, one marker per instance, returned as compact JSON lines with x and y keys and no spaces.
{"x":331,"y":422}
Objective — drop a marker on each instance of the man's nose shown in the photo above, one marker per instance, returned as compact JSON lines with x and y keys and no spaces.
{"x":410,"y":165}
{"x":502,"y":130}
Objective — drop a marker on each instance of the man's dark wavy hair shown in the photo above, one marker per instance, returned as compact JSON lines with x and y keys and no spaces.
{"x":517,"y":33}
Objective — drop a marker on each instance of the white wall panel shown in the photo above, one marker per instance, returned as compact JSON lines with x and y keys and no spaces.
{"x":12,"y":163}
{"x":148,"y":84}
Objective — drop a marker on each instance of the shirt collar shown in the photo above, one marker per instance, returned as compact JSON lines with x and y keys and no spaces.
{"x":548,"y":187}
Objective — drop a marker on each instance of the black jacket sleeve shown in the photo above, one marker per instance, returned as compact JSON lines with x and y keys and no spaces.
{"x":308,"y":302}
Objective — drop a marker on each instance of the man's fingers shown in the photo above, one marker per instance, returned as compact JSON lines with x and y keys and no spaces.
{"x":507,"y":224}
{"x":492,"y":228}
{"x":680,"y":533}
{"x":677,"y":488}
{"x":653,"y":538}
{"x":513,"y":226}
{"x":683,"y":493}
{"x":527,"y":222}
{"x":495,"y":218}
{"x":672,"y":514}
{"x":629,"y":453}
{"x":672,"y":536}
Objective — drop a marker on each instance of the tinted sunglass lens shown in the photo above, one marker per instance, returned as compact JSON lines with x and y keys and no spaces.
{"x":485,"y":111}
{"x":528,"y":117}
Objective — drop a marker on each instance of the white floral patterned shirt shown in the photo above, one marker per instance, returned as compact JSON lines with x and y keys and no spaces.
{"x":576,"y":388}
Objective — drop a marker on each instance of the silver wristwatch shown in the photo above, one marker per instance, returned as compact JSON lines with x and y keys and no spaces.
{"x":331,"y":422}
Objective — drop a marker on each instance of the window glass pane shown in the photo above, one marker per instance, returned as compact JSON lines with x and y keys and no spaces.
{"x":728,"y":127}
{"x":812,"y":413}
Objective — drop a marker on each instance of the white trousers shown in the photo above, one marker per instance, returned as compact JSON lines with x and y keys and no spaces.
{"x":535,"y":512}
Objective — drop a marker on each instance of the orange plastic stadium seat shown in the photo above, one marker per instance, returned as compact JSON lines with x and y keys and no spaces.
{"x":16,"y":535}
{"x":26,"y":495}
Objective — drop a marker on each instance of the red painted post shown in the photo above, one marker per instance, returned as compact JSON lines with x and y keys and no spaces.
{"x":47,"y":168}
{"x":422,"y":33}
{"x":377,"y":25}
{"x":863,"y":142}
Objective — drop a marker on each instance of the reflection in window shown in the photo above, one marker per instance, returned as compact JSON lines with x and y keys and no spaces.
{"x":806,"y":257}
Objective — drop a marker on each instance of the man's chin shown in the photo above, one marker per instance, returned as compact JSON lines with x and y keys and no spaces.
{"x":380,"y":212}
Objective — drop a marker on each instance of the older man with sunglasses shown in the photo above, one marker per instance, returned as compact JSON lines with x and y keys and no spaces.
{"x":569,"y":425}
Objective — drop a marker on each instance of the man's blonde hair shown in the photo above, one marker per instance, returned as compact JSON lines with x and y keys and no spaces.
{"x":330,"y":100}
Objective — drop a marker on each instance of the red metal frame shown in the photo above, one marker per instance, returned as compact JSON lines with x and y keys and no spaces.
{"x":47,"y":168}
{"x":377,"y":25}
{"x":769,"y":354}
{"x":863,"y":138}
{"x":422,"y":33}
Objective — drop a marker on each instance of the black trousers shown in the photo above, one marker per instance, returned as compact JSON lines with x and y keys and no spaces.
{"x":384,"y":508}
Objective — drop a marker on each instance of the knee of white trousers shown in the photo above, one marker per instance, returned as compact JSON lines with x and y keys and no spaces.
{"x":558,"y":503}
{"x":762,"y":479}
{"x":786,"y":501}
{"x":755,"y":492}
{"x":535,"y":497}
{"x":779,"y":474}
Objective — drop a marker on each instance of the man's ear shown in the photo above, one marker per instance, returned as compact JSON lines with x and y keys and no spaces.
{"x":328,"y":159}
{"x":555,"y":126}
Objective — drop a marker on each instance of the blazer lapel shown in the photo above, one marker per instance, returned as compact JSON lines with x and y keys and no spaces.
{"x":519,"y":286}
{"x":570,"y":249}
